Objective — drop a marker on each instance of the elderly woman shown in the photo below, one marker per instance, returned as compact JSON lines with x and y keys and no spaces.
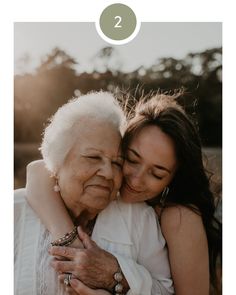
{"x":81,"y":149}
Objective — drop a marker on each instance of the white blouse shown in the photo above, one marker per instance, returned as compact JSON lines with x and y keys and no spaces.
{"x":130,"y":232}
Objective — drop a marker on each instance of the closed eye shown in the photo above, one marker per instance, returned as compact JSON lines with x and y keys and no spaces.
{"x":157,"y":177}
{"x":118,"y":164}
{"x":93,"y":157}
{"x":131,"y":161}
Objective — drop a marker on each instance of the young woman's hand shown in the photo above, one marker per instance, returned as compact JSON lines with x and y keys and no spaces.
{"x":47,"y":203}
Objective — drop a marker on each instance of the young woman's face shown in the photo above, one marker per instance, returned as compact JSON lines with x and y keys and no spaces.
{"x":149,"y":166}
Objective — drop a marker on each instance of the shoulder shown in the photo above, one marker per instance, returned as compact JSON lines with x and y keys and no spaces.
{"x":134,"y":215}
{"x":139,"y":206}
{"x":139,"y":216}
{"x":139,"y":210}
{"x":182,"y":221}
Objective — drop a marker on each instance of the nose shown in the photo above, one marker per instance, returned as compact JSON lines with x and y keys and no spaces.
{"x":136,"y":178}
{"x":105,"y":169}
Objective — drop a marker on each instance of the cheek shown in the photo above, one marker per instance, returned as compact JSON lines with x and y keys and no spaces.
{"x":119,"y":179}
{"x":73,"y":190}
{"x":72,"y":186}
{"x":157,"y":187}
{"x":128,"y":169}
{"x":84,"y":174}
{"x":118,"y":176}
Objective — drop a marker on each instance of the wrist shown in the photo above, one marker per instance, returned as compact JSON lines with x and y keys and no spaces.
{"x":58,"y":231}
{"x":77,"y":244}
{"x":67,"y":239}
{"x":118,"y":284}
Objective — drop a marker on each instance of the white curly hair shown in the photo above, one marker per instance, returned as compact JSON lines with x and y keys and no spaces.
{"x":59,"y":136}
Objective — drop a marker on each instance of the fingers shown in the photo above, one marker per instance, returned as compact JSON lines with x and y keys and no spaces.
{"x":61,"y":277}
{"x":69,"y":290}
{"x":85,"y":239}
{"x":67,"y":252}
{"x":63,"y":266}
{"x":60,"y":258}
{"x":80,"y":288}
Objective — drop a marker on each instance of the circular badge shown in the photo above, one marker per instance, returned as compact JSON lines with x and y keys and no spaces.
{"x":117,"y":24}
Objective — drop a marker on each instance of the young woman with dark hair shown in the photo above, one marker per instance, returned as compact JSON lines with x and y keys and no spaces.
{"x":189,"y":188}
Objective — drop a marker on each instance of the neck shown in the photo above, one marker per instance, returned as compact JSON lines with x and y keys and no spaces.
{"x":87,"y":221}
{"x":83,"y":216}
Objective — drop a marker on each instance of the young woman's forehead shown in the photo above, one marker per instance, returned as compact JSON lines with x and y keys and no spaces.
{"x":154,"y":146}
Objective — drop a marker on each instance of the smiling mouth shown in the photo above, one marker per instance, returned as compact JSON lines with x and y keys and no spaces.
{"x":130,"y":189}
{"x":101,"y":187}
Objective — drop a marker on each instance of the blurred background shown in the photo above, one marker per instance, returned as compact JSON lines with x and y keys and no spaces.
{"x":57,"y":61}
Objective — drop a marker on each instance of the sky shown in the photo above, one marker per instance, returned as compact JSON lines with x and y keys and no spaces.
{"x":82,"y":42}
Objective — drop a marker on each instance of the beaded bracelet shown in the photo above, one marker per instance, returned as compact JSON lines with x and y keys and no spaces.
{"x":118,"y":277}
{"x":67,"y":239}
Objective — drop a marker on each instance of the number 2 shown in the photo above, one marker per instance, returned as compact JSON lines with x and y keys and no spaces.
{"x":117,"y":25}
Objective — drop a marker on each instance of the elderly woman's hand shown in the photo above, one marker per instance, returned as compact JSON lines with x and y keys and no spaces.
{"x":92,"y":265}
{"x":77,"y":287}
{"x":81,"y":289}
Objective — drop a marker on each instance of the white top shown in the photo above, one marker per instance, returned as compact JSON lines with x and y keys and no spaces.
{"x":130,"y":232}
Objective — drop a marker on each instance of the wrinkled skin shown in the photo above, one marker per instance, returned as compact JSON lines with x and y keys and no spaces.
{"x":77,"y":287}
{"x":92,"y":265}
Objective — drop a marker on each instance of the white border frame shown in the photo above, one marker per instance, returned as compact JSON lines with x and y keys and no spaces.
{"x":148,"y":11}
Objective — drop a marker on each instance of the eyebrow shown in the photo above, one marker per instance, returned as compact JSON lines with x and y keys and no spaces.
{"x":155,"y":165}
{"x":96,"y":150}
{"x":92,"y":149}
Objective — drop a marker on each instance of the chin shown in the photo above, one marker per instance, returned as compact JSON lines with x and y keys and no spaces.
{"x":95,"y":201}
{"x":100,"y":204}
{"x":128,"y":199}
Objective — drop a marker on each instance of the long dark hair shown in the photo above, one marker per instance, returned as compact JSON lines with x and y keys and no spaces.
{"x":190,"y":186}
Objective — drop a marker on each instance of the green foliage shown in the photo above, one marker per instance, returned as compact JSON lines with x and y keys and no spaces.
{"x":38,"y":95}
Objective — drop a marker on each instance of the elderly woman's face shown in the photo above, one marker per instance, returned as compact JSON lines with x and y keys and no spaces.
{"x":149,"y":166}
{"x":92,"y":171}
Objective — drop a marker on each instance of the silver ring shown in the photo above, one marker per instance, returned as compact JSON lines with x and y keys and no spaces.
{"x":67,"y":279}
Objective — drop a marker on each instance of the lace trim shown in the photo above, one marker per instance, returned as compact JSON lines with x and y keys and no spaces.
{"x":33,"y":273}
{"x":26,"y":243}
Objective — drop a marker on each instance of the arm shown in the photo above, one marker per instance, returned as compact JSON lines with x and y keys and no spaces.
{"x":57,"y":220}
{"x":46,"y":203}
{"x":188,"y":250}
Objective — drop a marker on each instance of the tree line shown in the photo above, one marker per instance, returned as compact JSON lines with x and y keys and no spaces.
{"x":38,"y":95}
